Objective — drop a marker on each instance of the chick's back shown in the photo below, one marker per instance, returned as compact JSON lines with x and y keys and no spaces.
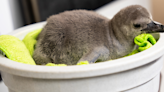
{"x":69,"y":35}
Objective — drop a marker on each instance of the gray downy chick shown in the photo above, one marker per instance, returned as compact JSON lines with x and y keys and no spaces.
{"x":80,"y":35}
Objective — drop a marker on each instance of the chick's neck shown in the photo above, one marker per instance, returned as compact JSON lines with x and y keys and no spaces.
{"x":122,"y":43}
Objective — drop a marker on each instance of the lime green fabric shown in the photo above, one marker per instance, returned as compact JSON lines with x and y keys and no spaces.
{"x":30,"y":40}
{"x":133,"y":52}
{"x":144,"y":41}
{"x":83,"y":63}
{"x":15,"y":49}
{"x":80,"y":63}
{"x":52,"y":64}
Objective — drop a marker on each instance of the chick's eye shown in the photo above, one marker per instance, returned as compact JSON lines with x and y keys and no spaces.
{"x":136,"y":25}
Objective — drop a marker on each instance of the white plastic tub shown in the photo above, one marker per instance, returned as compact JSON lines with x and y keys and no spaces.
{"x":136,"y":73}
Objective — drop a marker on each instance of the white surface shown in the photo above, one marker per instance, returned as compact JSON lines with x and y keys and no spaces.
{"x":133,"y":79}
{"x":15,"y":9}
{"x":6,"y":24}
{"x":151,"y":86}
{"x":162,"y":81}
{"x":10,"y":16}
{"x":112,"y":8}
{"x":3,"y":87}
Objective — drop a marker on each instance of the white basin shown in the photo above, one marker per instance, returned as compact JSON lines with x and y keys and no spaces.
{"x":129,"y":74}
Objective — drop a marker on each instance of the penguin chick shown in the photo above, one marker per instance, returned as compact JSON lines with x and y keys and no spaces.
{"x":80,"y":35}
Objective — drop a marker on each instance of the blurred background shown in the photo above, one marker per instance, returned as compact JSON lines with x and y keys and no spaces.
{"x":18,"y":13}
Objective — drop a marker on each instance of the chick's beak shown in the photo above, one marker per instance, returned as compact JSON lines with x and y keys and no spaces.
{"x":153,"y":28}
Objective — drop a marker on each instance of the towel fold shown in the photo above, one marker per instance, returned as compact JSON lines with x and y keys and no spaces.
{"x":80,"y":63}
{"x":30,"y":40}
{"x":83,"y":63}
{"x":15,"y":49}
{"x":144,"y":41}
{"x":52,"y":64}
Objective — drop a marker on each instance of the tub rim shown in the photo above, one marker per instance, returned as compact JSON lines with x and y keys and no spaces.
{"x":97,"y":69}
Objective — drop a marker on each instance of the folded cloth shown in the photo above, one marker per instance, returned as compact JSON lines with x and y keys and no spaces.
{"x":83,"y":63}
{"x":52,"y":64}
{"x":22,"y":51}
{"x":30,"y":40}
{"x":80,"y":63}
{"x":15,"y":49}
{"x":144,"y":41}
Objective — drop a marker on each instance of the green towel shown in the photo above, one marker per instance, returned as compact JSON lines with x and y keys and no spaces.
{"x":144,"y":41}
{"x":52,"y":64}
{"x":19,"y":51}
{"x":30,"y":40}
{"x":22,"y":51}
{"x":15,"y":49}
{"x":80,"y":63}
{"x":83,"y":63}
